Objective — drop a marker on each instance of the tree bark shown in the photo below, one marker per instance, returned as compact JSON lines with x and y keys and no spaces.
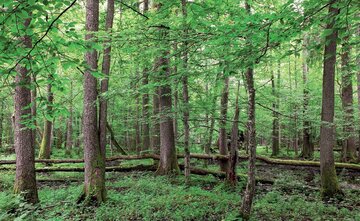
{"x":249,"y":194}
{"x":25,"y":178}
{"x":223,"y":149}
{"x":186,"y":112}
{"x":307,"y":151}
{"x":349,"y":146}
{"x":245,"y":209}
{"x":275,"y":125}
{"x":1,"y":122}
{"x":156,"y":125}
{"x":94,"y":185}
{"x":231,"y":173}
{"x":329,"y":183}
{"x":105,"y":82}
{"x":45,"y":146}
{"x":69,"y":130}
{"x":145,"y":113}
{"x":168,"y":160}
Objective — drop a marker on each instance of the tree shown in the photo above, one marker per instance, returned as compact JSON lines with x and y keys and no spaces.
{"x":105,"y":82}
{"x":168,"y":160}
{"x":45,"y":146}
{"x":69,"y":126}
{"x":94,"y":186}
{"x":275,"y":130}
{"x":307,"y":150}
{"x":329,"y":183}
{"x":349,"y":148}
{"x":25,"y":178}
{"x":223,"y":147}
{"x":186,"y":111}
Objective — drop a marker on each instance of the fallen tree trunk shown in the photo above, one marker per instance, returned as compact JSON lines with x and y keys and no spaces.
{"x":301,"y":163}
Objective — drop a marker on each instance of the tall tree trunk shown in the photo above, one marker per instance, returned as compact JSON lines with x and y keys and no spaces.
{"x":275,"y":125}
{"x":186,"y":112}
{"x":223,"y":148}
{"x":105,"y":82}
{"x":25,"y":178}
{"x":94,"y":186}
{"x":2,"y":109}
{"x":358,"y":96}
{"x":45,"y":146}
{"x":306,"y":150}
{"x":249,"y":194}
{"x":69,"y":130}
{"x":231,"y":177}
{"x":349,"y":146}
{"x":137,"y":126}
{"x":156,"y":122}
{"x":296,"y":144}
{"x":145,"y":113}
{"x":168,"y":160}
{"x":329,"y":183}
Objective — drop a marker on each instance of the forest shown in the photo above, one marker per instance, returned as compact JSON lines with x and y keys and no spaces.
{"x":180,"y":110}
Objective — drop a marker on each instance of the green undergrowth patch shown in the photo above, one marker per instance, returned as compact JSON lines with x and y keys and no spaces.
{"x":144,"y":196}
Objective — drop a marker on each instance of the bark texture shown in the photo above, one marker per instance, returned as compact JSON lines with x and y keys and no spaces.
{"x":307,"y":150}
{"x":349,"y":145}
{"x":186,"y":111}
{"x":25,"y":178}
{"x":223,"y":148}
{"x":233,"y":158}
{"x":105,"y":82}
{"x":168,"y":160}
{"x":45,"y":146}
{"x":249,"y":194}
{"x":329,"y":183}
{"x":94,"y":186}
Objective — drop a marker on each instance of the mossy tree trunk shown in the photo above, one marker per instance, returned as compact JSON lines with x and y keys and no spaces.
{"x":45,"y":146}
{"x":329,"y":183}
{"x":275,"y":124}
{"x":25,"y":178}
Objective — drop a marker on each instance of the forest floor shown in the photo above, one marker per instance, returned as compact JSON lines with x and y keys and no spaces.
{"x":144,"y":196}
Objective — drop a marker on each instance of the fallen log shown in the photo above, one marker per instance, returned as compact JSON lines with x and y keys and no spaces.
{"x":302,"y":163}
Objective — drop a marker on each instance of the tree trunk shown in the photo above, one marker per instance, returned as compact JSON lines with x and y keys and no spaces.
{"x":168,"y":160}
{"x":329,"y":183}
{"x":1,"y":122}
{"x":45,"y":147}
{"x":306,"y":150}
{"x":231,"y":176}
{"x":156,"y":125}
{"x":249,"y":194}
{"x":358,"y":95}
{"x":186,"y":112}
{"x":25,"y":178}
{"x":105,"y":82}
{"x":69,"y":130}
{"x":349,"y":146}
{"x":275,"y":125}
{"x":145,"y":113}
{"x":223,"y":149}
{"x":94,"y":186}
